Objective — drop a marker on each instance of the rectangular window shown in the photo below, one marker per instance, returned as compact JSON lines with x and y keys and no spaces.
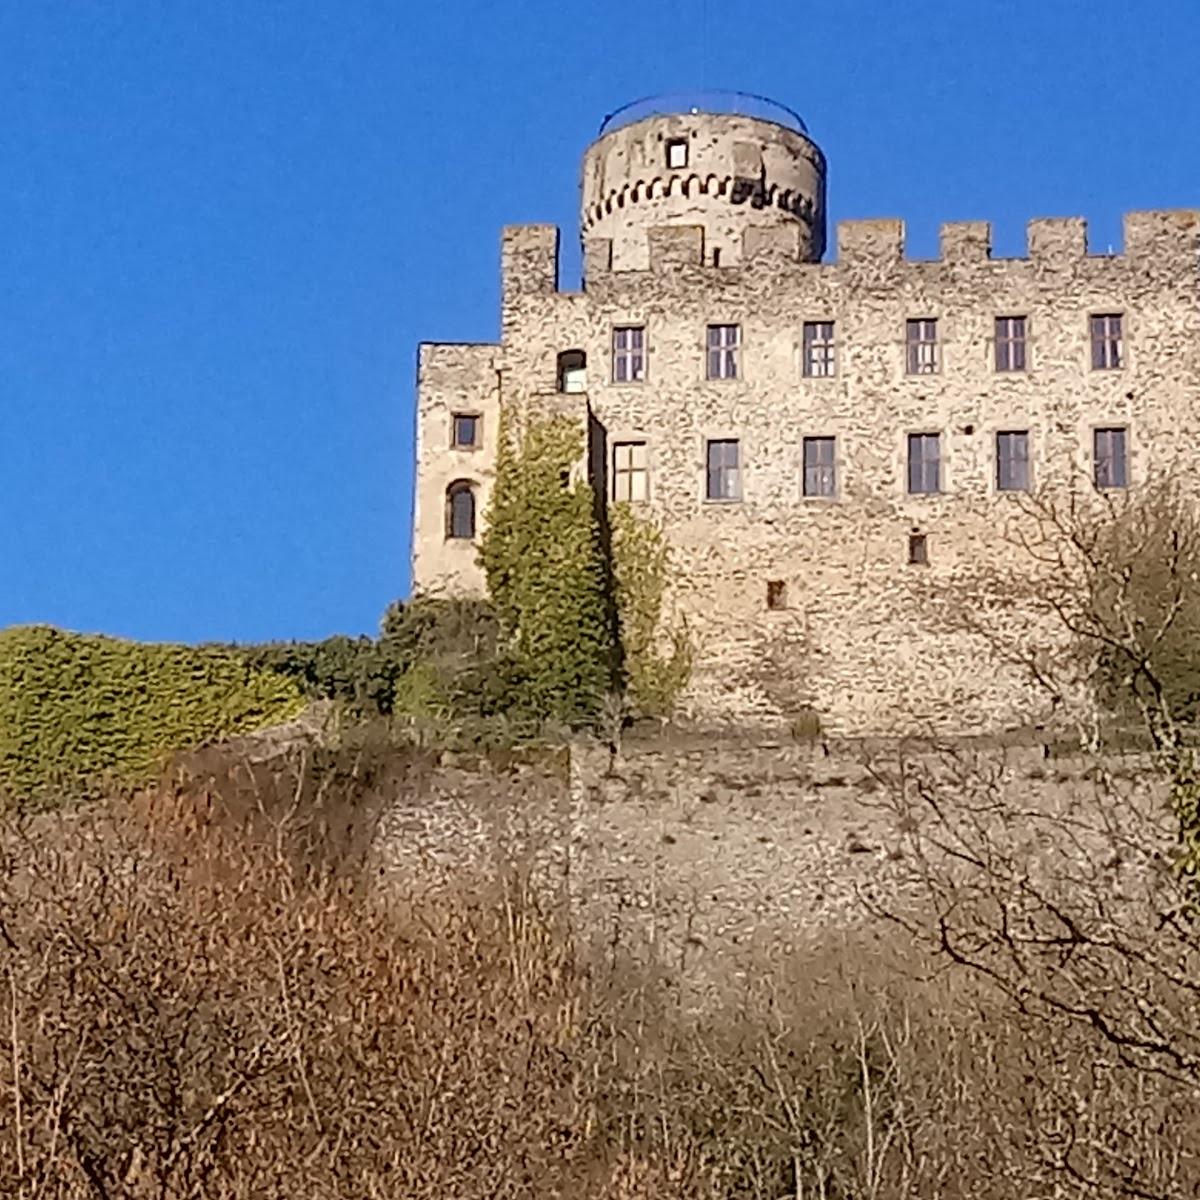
{"x":629,"y":354}
{"x":1111,"y":454}
{"x":1010,"y":343}
{"x":631,"y":474}
{"x":820,"y":357}
{"x":1012,"y":460}
{"x":1108,"y":348}
{"x":918,"y":549}
{"x":924,"y":463}
{"x":724,"y":473}
{"x":677,"y":153}
{"x":723,"y":344}
{"x":921,"y":347}
{"x":820,"y":476}
{"x":464,"y":431}
{"x":776,"y":594}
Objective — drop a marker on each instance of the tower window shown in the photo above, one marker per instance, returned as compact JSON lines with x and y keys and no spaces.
{"x":924,"y":464}
{"x":820,"y":477}
{"x":776,"y":594}
{"x":464,"y":431}
{"x":1012,"y":460}
{"x":631,"y":475}
{"x":677,"y":153}
{"x":819,"y":353}
{"x":724,"y":470}
{"x":921,"y":347}
{"x":724,"y":342}
{"x":1111,"y":452}
{"x":918,"y":550}
{"x":572,"y":371}
{"x":1108,"y":348}
{"x":1010,"y":343}
{"x":629,"y":354}
{"x":460,"y":510}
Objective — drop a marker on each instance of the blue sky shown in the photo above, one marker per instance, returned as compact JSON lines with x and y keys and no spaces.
{"x":226,"y":224}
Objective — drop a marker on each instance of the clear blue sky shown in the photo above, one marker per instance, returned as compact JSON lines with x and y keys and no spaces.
{"x":226,"y":224}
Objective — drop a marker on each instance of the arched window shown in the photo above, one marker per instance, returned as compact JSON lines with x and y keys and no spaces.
{"x":572,"y":371}
{"x":460,"y":510}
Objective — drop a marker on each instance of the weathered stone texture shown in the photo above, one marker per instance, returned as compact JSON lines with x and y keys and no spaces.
{"x":856,"y":641}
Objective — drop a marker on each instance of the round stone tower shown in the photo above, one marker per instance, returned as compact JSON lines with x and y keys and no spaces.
{"x":725,"y":161}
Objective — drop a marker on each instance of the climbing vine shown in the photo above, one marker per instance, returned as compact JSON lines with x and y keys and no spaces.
{"x":657,"y":658}
{"x":546,"y":571}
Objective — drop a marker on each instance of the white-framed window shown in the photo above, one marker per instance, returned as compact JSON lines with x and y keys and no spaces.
{"x":629,"y":354}
{"x":723,"y":480}
{"x":921,"y":346}
{"x":1010,"y":344}
{"x":630,"y":472}
{"x":820,"y":352}
{"x":1108,"y":341}
{"x":724,"y":344}
{"x":820,"y":470}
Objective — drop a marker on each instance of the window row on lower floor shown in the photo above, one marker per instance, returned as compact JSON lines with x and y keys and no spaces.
{"x":924,"y":473}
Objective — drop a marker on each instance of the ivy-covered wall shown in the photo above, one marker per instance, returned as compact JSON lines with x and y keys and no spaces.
{"x":80,"y":710}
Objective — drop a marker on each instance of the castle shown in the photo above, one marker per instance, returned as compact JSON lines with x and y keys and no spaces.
{"x":823,"y":442}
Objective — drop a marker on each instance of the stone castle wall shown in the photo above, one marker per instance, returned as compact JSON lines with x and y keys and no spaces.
{"x":859,"y":638}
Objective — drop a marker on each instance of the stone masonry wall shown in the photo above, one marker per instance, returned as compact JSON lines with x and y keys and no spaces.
{"x":859,"y":639}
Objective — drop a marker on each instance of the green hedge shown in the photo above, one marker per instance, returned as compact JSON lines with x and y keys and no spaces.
{"x":77,"y":710}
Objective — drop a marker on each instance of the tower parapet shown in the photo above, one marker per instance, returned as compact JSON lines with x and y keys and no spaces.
{"x":725,"y":162}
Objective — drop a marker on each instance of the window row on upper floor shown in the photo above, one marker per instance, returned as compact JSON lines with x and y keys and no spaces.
{"x":1012,"y":465}
{"x":819,"y":350}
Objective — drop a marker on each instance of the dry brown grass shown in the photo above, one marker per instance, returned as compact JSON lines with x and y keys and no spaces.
{"x":193,"y":1009}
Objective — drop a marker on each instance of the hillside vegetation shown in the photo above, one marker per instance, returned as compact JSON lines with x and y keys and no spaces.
{"x":81,"y":710}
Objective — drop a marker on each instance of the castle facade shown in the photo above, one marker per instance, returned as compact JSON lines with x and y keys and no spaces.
{"x":823,"y":442}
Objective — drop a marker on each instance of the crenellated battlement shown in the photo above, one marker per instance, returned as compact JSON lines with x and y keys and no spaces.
{"x":1163,"y":242}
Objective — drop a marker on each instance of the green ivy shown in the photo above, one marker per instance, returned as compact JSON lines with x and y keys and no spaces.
{"x":657,"y":662}
{"x":77,"y":710}
{"x":547,"y":573}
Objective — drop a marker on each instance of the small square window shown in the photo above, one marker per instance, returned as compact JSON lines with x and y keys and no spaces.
{"x":921,"y":347}
{"x":464,"y":431}
{"x":820,"y":469}
{"x":918,"y":550}
{"x":677,"y":153}
{"x":1010,"y":344}
{"x":723,"y":470}
{"x":776,"y":594}
{"x":723,"y":342}
{"x":820,"y":355}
